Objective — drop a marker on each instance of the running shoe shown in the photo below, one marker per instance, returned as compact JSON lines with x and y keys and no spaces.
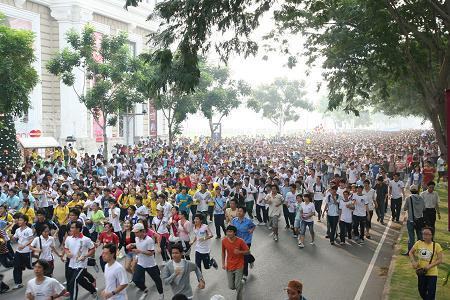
{"x":144,"y":295}
{"x":214,"y":263}
{"x":311,"y":243}
{"x":295,"y":236}
{"x":342,"y":243}
{"x":275,"y":237}
{"x":17,"y":286}
{"x":300,"y":245}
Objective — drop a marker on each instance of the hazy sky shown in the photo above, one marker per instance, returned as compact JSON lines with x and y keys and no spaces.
{"x":256,"y":70}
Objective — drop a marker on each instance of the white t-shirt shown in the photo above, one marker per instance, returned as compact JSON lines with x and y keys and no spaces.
{"x":78,"y":246}
{"x":166,"y":208}
{"x":202,"y":246}
{"x":360,"y":205}
{"x":160,"y":225}
{"x":440,"y":165}
{"x":371,"y":197}
{"x":346,"y":213}
{"x":203,"y":199}
{"x":147,"y":244}
{"x":46,"y":253}
{"x":396,"y":188}
{"x":352,"y":175}
{"x":23,"y":236}
{"x":307,"y":209}
{"x":46,"y":289}
{"x":115,"y":275}
{"x":115,"y":221}
{"x":142,"y":211}
{"x":290,"y":201}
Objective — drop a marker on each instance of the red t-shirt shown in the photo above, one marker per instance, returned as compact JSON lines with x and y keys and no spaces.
{"x":108,"y":238}
{"x":428,"y":174}
{"x":234,"y":261}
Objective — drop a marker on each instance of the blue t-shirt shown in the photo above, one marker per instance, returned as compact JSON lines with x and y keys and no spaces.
{"x":243,"y":226}
{"x":183,"y":201}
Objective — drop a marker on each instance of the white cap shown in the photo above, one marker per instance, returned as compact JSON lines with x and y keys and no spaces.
{"x":138,"y":227}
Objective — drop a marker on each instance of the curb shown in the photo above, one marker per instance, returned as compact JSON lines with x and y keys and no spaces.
{"x":397,"y":250}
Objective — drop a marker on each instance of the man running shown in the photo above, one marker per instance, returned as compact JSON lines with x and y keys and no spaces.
{"x":233,"y":251}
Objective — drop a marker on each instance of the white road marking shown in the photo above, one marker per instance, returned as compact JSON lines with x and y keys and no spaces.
{"x":362,"y":286}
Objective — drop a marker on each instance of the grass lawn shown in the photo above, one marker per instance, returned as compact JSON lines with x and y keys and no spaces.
{"x":404,"y":280}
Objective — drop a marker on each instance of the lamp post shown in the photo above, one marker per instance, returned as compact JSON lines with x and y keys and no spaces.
{"x":128,"y":117}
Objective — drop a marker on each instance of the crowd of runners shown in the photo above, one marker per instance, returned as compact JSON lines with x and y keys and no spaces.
{"x":159,"y":200}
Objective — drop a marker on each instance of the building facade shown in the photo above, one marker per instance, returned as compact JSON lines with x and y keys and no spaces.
{"x":55,"y":109}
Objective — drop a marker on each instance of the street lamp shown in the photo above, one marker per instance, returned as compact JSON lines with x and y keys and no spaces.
{"x":129,"y":115}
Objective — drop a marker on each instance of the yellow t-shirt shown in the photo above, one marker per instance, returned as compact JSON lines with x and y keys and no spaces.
{"x":424,"y":252}
{"x":126,"y":201}
{"x":61,"y":213}
{"x":8,"y":218}
{"x":151,"y":205}
{"x":213,"y":195}
{"x":28,"y":212}
{"x":73,"y":203}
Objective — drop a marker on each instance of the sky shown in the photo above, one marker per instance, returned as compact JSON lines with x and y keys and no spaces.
{"x":255,"y":71}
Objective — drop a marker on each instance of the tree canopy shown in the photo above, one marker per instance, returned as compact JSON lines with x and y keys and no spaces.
{"x":115,"y":76}
{"x":217,"y":94}
{"x":18,"y":77}
{"x":280,"y":101}
{"x":389,"y":54}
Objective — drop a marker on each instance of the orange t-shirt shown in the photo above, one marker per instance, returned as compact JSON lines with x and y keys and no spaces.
{"x":234,"y":261}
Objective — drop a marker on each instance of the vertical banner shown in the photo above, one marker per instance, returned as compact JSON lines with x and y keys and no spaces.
{"x":97,"y":129}
{"x":152,"y":121}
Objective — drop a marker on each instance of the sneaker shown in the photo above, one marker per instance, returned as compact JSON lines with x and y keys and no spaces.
{"x":94,"y":295}
{"x":252,"y":265}
{"x":144,"y":295}
{"x":218,"y":237}
{"x":311,"y":243}
{"x":262,"y":224}
{"x":286,"y":227}
{"x":17,"y":286}
{"x":332,"y":243}
{"x":161,"y":297}
{"x":270,"y":228}
{"x":214,"y":263}
{"x":295,"y":236}
{"x":244,"y":278}
{"x":361,"y":242}
{"x":300,"y":245}
{"x":342,"y":243}
{"x":275,"y":237}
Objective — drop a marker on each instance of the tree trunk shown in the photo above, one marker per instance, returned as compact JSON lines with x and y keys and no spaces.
{"x":105,"y":143}
{"x":211,"y":128}
{"x":170,"y":135}
{"x":439,"y":128}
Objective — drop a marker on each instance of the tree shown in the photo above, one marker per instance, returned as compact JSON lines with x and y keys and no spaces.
{"x":374,"y":50}
{"x":18,"y":77}
{"x":115,"y":75}
{"x":280,"y":101}
{"x":169,"y":84}
{"x":217,"y":94}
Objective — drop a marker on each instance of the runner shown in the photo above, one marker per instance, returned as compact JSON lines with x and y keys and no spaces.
{"x":245,"y":228}
{"x":116,"y":281}
{"x":177,"y":272}
{"x":144,"y":248}
{"x":42,"y":287}
{"x":233,"y":251}
{"x":202,"y":246}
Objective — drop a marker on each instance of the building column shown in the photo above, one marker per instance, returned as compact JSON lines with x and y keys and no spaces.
{"x":73,"y":113}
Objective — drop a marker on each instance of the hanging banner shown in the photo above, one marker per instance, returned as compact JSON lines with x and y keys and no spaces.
{"x":152,"y":121}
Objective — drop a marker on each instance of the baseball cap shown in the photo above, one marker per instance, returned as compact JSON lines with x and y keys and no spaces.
{"x":138,"y":227}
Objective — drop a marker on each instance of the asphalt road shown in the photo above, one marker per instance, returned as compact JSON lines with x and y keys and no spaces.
{"x":327,"y":272}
